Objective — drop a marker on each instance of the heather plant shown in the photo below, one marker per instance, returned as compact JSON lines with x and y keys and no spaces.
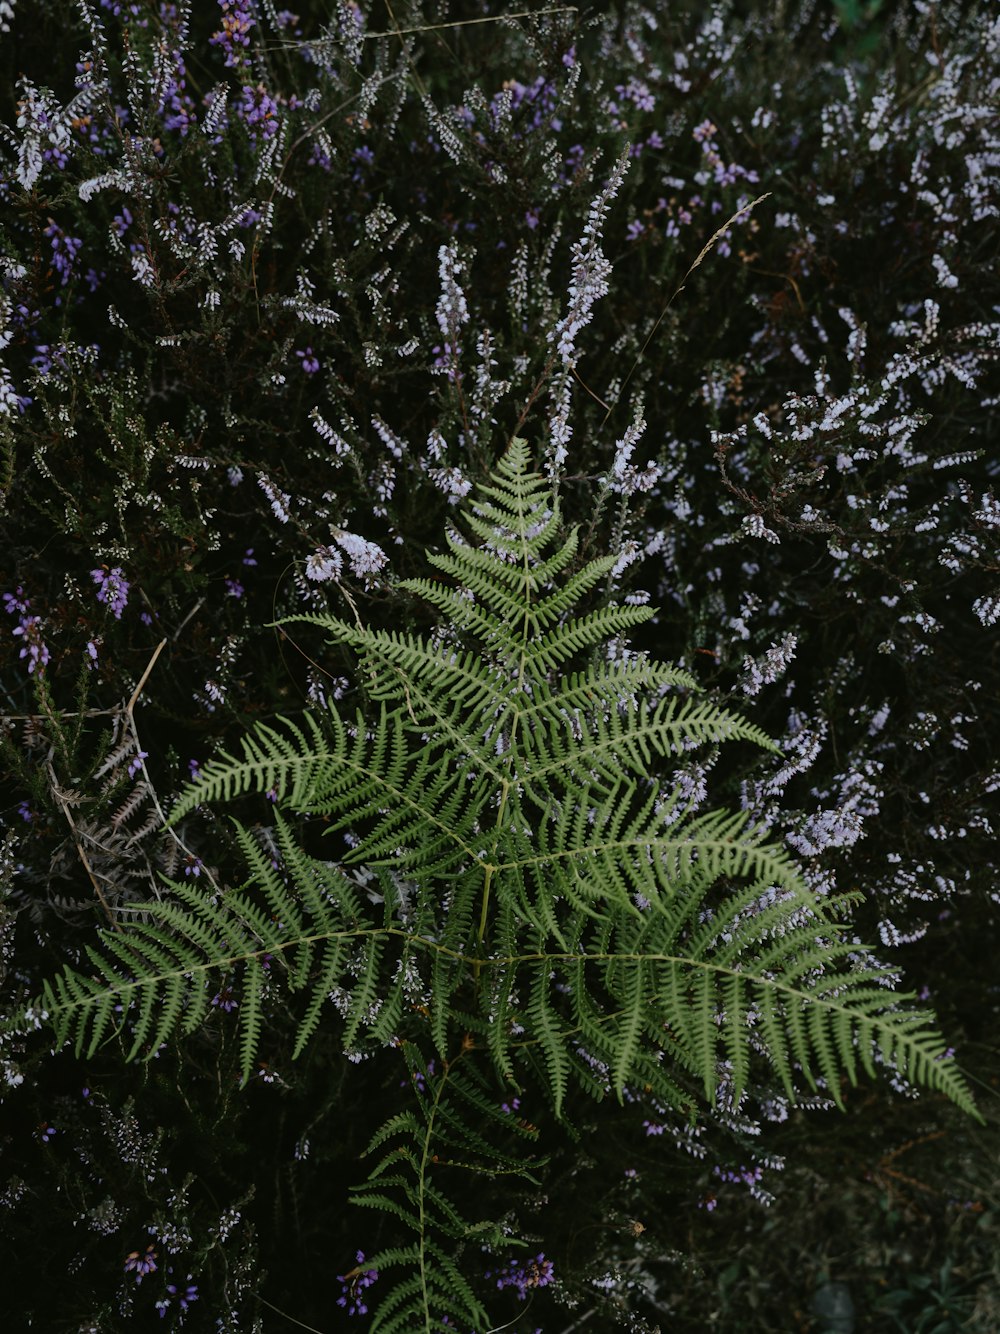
{"x":533,"y":894}
{"x":275,"y":290}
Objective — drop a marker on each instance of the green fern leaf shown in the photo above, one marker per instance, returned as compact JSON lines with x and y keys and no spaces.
{"x":524,"y":884}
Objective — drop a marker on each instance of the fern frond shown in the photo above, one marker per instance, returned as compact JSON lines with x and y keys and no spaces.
{"x":436,"y":1291}
{"x":519,"y":857}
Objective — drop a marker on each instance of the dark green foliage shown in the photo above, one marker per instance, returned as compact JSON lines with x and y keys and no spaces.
{"x":564,"y":913}
{"x":266,"y":313}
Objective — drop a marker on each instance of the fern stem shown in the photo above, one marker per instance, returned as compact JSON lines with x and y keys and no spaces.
{"x":484,"y":908}
{"x":421,"y":1193}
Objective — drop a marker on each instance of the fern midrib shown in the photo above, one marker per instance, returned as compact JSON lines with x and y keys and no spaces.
{"x":422,"y":1194}
{"x":505,"y":783}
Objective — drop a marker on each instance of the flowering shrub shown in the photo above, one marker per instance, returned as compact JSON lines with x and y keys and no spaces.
{"x":276,"y":289}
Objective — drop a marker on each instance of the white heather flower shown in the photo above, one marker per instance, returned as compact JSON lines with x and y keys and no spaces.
{"x":945,"y":276}
{"x":589,"y":268}
{"x":988,"y":609}
{"x":44,"y":124}
{"x":452,"y":482}
{"x":626,"y":445}
{"x":142,"y":270}
{"x":341,"y":448}
{"x":365,"y":557}
{"x":279,"y":500}
{"x":452,"y":310}
{"x":9,"y":401}
{"x":753,"y":526}
{"x":324,"y":564}
{"x":765,"y":670}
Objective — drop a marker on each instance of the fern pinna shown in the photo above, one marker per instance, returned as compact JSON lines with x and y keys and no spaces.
{"x":518,"y":892}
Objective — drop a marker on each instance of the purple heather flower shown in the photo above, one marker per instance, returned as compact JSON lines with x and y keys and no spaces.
{"x":16,"y":603}
{"x":258,"y":107}
{"x":122,"y":221}
{"x":310,"y":362}
{"x":34,"y":649}
{"x":237,"y":20}
{"x":113,"y":589}
{"x":234,"y":588}
{"x":135,"y":764}
{"x":522,"y":1275}
{"x":419,"y":1082}
{"x":25,"y":811}
{"x":64,"y":250}
{"x":225,"y":1000}
{"x":42,"y":360}
{"x":192,"y":866}
{"x":319,"y":158}
{"x":248,"y":559}
{"x":194,"y":768}
{"x":185,"y":1296}
{"x":354,"y":1283}
{"x":141,"y":1263}
{"x":45,"y":1132}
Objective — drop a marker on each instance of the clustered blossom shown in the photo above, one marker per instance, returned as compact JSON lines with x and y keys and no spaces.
{"x":452,"y":311}
{"x":28,"y":630}
{"x":64,"y":250}
{"x":259,"y":111}
{"x":113,"y":590}
{"x":45,"y":134}
{"x":280,"y":500}
{"x":237,"y":20}
{"x":141,"y":1263}
{"x":174,"y":98}
{"x":523,"y":1275}
{"x":366,"y":558}
{"x":759,"y":672}
{"x":324,"y":564}
{"x":184,"y":1294}
{"x":309,"y":360}
{"x":225,"y":1000}
{"x":590,"y":269}
{"x":354,"y":1284}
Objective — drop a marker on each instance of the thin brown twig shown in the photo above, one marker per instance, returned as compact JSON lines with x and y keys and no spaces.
{"x":142,"y":765}
{"x":747,"y":208}
{"x":465,"y":23}
{"x":63,"y":799}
